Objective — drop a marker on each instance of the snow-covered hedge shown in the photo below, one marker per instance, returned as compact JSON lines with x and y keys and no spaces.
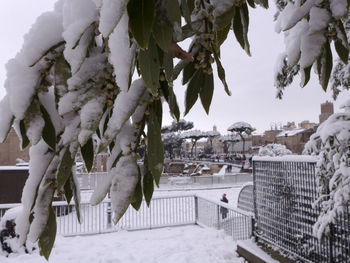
{"x":331,"y":143}
{"x":274,"y":149}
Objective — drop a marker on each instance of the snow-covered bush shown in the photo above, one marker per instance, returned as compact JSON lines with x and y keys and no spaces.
{"x":8,"y":235}
{"x":331,"y":143}
{"x":274,"y":149}
{"x":309,"y":28}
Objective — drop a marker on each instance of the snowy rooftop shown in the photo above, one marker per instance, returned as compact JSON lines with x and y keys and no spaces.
{"x":288,"y":133}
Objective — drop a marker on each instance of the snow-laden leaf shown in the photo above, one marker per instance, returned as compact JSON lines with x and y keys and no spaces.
{"x":48,"y":236}
{"x":141,"y":17}
{"x":207,"y":91}
{"x":6,"y":118}
{"x":125,"y":179}
{"x":87,"y":151}
{"x":110,"y":14}
{"x":149,"y":66}
{"x":122,"y":53}
{"x":124,"y":107}
{"x":155,"y":151}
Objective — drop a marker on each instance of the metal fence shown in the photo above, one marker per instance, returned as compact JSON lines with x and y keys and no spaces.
{"x":219,"y":215}
{"x":284,"y":193}
{"x":162,"y":212}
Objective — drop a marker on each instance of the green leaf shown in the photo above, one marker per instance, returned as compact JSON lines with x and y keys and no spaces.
{"x":148,"y":185}
{"x":8,"y":129}
{"x":221,"y":35}
{"x":207,"y":90}
{"x":342,"y":51}
{"x":173,"y":10}
{"x":326,"y":66}
{"x":193,"y":89}
{"x":24,"y":139}
{"x":263,"y":3}
{"x":225,"y":19}
{"x":155,"y":151}
{"x":75,"y":189}
{"x":170,"y":97}
{"x":173,"y":106}
{"x":141,"y":17}
{"x":251,"y":3}
{"x":149,"y":66}
{"x":87,"y":151}
{"x":48,"y":133}
{"x":188,"y":72}
{"x":221,"y":73}
{"x":137,"y":197}
{"x":68,"y":193}
{"x":48,"y":236}
{"x":307,"y":75}
{"x":186,"y":12}
{"x":162,"y":31}
{"x":240,"y":27}
{"x":168,"y":66}
{"x":158,"y":109}
{"x":65,"y":168}
{"x":189,"y":30}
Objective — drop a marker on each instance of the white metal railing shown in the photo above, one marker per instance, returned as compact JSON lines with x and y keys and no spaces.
{"x":163,"y":211}
{"x":235,"y":223}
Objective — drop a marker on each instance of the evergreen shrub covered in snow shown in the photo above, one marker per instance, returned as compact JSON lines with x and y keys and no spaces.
{"x":331,"y":143}
{"x":70,"y":88}
{"x":310,"y":28}
{"x":274,"y":149}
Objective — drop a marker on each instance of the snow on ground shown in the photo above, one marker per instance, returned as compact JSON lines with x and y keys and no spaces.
{"x":192,"y":244}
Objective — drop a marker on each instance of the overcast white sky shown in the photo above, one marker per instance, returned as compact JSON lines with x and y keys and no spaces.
{"x":249,"y":78}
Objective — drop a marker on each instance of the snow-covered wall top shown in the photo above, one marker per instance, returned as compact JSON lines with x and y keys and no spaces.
{"x":290,"y":132}
{"x":287,"y":158}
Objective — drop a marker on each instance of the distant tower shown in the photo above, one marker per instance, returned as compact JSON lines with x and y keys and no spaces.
{"x":215,"y":128}
{"x":327,"y":109}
